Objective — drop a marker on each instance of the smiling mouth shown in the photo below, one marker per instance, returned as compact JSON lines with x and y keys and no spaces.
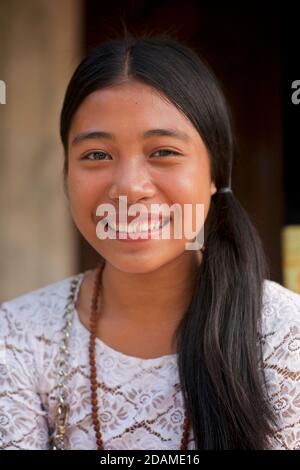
{"x":138,"y":228}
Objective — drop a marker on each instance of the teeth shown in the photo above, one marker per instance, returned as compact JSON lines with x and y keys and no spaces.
{"x":137,"y":228}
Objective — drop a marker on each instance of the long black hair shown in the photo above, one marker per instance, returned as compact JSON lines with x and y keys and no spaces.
{"x":219,"y":347}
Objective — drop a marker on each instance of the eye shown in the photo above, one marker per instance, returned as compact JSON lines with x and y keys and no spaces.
{"x":97,"y":155}
{"x":94,"y":156}
{"x":168,"y":151}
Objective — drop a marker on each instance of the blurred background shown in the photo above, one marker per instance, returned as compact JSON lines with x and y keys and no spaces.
{"x":42,"y":41}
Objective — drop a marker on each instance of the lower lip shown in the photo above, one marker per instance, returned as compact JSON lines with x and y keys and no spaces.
{"x":138,"y":238}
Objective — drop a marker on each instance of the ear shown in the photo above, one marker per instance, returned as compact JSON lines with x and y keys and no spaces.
{"x":213,"y":188}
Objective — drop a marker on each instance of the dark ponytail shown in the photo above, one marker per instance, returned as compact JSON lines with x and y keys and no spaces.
{"x":219,"y":343}
{"x":218,"y":338}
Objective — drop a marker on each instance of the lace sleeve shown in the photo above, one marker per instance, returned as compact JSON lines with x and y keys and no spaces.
{"x":23,"y":422}
{"x":282,"y":365}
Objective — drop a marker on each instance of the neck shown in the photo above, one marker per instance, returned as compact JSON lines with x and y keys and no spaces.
{"x":147,"y":299}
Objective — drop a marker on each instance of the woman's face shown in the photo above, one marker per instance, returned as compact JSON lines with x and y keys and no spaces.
{"x":151,"y":169}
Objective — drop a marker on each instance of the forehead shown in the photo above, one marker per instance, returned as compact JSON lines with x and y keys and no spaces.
{"x":129,"y":105}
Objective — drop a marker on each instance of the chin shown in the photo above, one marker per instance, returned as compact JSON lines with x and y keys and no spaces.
{"x":141,"y":263}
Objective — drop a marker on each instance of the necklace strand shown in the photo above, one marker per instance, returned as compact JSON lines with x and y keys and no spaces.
{"x":93,"y":369}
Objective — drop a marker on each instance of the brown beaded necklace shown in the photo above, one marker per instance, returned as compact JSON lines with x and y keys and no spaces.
{"x":93,"y":369}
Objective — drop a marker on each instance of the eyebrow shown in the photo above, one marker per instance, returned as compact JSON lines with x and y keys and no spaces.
{"x":175,"y":133}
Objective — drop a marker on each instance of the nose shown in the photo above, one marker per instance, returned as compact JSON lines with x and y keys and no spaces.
{"x":131,"y":179}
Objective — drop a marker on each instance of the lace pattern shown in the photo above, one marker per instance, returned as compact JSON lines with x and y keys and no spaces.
{"x":144,"y":392}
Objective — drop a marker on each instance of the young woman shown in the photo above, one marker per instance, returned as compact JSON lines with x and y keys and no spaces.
{"x":160,"y":346}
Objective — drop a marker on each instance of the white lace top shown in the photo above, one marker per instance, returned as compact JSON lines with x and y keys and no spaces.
{"x":145,"y":392}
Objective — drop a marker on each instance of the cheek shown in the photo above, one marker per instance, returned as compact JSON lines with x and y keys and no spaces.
{"x":191,"y":187}
{"x":83,"y":193}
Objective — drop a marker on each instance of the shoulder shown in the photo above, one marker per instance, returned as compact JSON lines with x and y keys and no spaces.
{"x":280,"y":307}
{"x":38,"y":311}
{"x":280,"y":325}
{"x":280,"y":339}
{"x":29,"y":336}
